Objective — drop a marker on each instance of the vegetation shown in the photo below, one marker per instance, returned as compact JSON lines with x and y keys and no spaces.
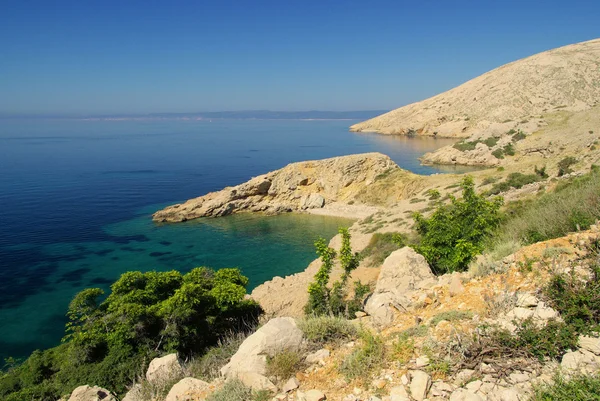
{"x":235,"y":390}
{"x":381,"y":246}
{"x":327,"y":329}
{"x":465,"y":145}
{"x":564,"y":166}
{"x":581,"y":388}
{"x":455,"y":233}
{"x":323,"y":300}
{"x":514,"y":180}
{"x":518,"y":136}
{"x":450,"y":316}
{"x":573,"y":205}
{"x":208,"y":366}
{"x":109,"y":343}
{"x":365,"y":359}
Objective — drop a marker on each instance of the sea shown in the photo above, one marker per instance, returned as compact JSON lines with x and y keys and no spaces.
{"x":76,"y":198}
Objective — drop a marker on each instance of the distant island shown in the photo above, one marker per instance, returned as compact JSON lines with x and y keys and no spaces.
{"x":216,"y":115}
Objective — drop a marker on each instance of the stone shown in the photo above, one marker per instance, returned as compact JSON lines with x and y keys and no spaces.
{"x":398,"y":393}
{"x":134,"y":394}
{"x":464,"y":395}
{"x":527,"y":300}
{"x":522,"y":313}
{"x":188,"y":389}
{"x":456,"y":286}
{"x":543,"y":312}
{"x":359,"y":314}
{"x":318,"y":356}
{"x":164,"y":369}
{"x":571,"y":360}
{"x":516,"y":378}
{"x":256,"y":381}
{"x":422,"y":361}
{"x":279,"y":334}
{"x":290,"y":385}
{"x":591,"y":344}
{"x":379,"y":383}
{"x":89,"y":393}
{"x":463,"y":376}
{"x":474,"y":385}
{"x":419,"y":384}
{"x":400,"y":274}
{"x":312,"y":201}
{"x":510,"y":394}
{"x":314,"y":395}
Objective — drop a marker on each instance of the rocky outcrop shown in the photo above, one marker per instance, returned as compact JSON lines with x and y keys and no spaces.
{"x":89,"y":393}
{"x":298,"y":186}
{"x":402,"y":272}
{"x":164,"y":369}
{"x":249,"y":363}
{"x":506,"y":97}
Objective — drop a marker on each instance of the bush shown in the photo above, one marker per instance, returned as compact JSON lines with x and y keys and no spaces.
{"x":564,"y":166}
{"x":491,"y":142}
{"x":541,"y":172}
{"x":451,"y":316}
{"x":509,"y":149}
{"x":327,"y":329}
{"x":514,"y":180}
{"x":518,"y":136}
{"x":464,"y":145}
{"x":580,"y":388}
{"x":235,"y":390}
{"x":573,"y":206}
{"x":577,"y":300}
{"x":363,"y":361}
{"x":381,"y":246}
{"x":498,"y":153}
{"x":455,"y":233}
{"x":110,"y":343}
{"x":284,"y":364}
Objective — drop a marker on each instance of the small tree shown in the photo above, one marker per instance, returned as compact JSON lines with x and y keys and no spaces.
{"x":454,"y":233}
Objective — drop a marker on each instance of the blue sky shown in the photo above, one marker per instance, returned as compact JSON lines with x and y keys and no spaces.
{"x":129,"y":56}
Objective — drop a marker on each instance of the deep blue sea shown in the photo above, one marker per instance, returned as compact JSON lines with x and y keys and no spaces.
{"x":76,"y":199}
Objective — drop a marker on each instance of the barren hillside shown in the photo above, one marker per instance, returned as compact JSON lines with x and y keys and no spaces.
{"x":511,"y":96}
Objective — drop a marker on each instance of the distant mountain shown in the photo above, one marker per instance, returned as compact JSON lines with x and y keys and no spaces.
{"x":242,"y":115}
{"x":566,"y":78}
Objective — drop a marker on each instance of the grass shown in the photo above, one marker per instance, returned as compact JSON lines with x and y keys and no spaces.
{"x":519,"y":136}
{"x":489,"y":180}
{"x":404,"y":349}
{"x":451,"y":316}
{"x":415,"y":331}
{"x":363,"y":361}
{"x":285,"y":364}
{"x":208,"y":366}
{"x":235,"y":390}
{"x":322,"y":330}
{"x":381,"y":246}
{"x":572,"y":206}
{"x":580,"y":388}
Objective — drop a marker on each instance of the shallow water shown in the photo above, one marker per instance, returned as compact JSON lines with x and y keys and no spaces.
{"x":76,"y":199}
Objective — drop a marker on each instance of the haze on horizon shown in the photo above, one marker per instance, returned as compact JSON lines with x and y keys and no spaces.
{"x":156,"y":57}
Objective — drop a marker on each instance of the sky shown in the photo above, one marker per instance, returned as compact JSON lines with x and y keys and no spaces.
{"x":129,"y":56}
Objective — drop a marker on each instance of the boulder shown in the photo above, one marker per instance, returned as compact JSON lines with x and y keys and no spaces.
{"x":464,"y":395}
{"x":277,"y":335}
{"x":164,"y":369}
{"x":419,"y":384}
{"x":312,"y":201}
{"x":290,"y":385}
{"x":398,"y":393}
{"x":317,"y":357}
{"x":314,"y":395}
{"x":591,"y":344}
{"x":256,"y":381}
{"x":89,"y":393}
{"x":189,"y":389}
{"x":402,"y":273}
{"x":134,"y":394}
{"x":456,"y":286}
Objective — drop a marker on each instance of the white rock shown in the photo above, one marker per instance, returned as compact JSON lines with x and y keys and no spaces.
{"x":522,"y":313}
{"x":527,"y":300}
{"x":456,"y":286}
{"x":419,"y":384}
{"x":398,"y":393}
{"x":474,"y":385}
{"x":89,"y":393}
{"x":591,"y":344}
{"x":464,"y":395}
{"x":314,"y":395}
{"x":256,"y":381}
{"x":571,"y":360}
{"x":279,"y":334}
{"x":543,"y":312}
{"x":317,"y":356}
{"x":422,"y":361}
{"x":518,"y":377}
{"x":164,"y":369}
{"x":188,"y":389}
{"x":134,"y":394}
{"x":510,"y":394}
{"x":404,"y":379}
{"x":463,"y":376}
{"x":290,"y":385}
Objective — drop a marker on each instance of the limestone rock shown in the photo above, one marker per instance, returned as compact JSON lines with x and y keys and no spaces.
{"x":188,"y":389}
{"x":464,"y":395}
{"x":164,"y":369}
{"x":89,"y":393}
{"x":419,"y":384}
{"x":527,"y":300}
{"x":399,"y":393}
{"x":314,"y":395}
{"x":318,"y":356}
{"x":591,"y":344}
{"x":401,"y":273}
{"x":290,"y":385}
{"x":256,"y":381}
{"x":456,"y":286}
{"x":134,"y":394}
{"x":298,"y":186}
{"x":277,"y":335}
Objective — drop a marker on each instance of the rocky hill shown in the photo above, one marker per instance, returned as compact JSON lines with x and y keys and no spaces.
{"x":509,"y":97}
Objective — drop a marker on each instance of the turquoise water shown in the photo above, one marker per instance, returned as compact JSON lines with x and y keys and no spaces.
{"x":77,"y":199}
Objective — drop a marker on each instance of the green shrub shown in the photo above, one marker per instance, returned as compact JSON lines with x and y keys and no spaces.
{"x":491,"y":142}
{"x":514,"y":180}
{"x":464,"y":145}
{"x":580,"y":388}
{"x":433,"y":194}
{"x":323,"y":300}
{"x":284,"y":364}
{"x":509,"y":149}
{"x":455,"y":233}
{"x":381,"y":246}
{"x":574,"y":205}
{"x":577,"y":300}
{"x":518,"y":136}
{"x":364,"y":360}
{"x":109,"y":343}
{"x":489,"y":180}
{"x":327,"y":329}
{"x":498,"y":153}
{"x":232,"y":390}
{"x":564,"y":166}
